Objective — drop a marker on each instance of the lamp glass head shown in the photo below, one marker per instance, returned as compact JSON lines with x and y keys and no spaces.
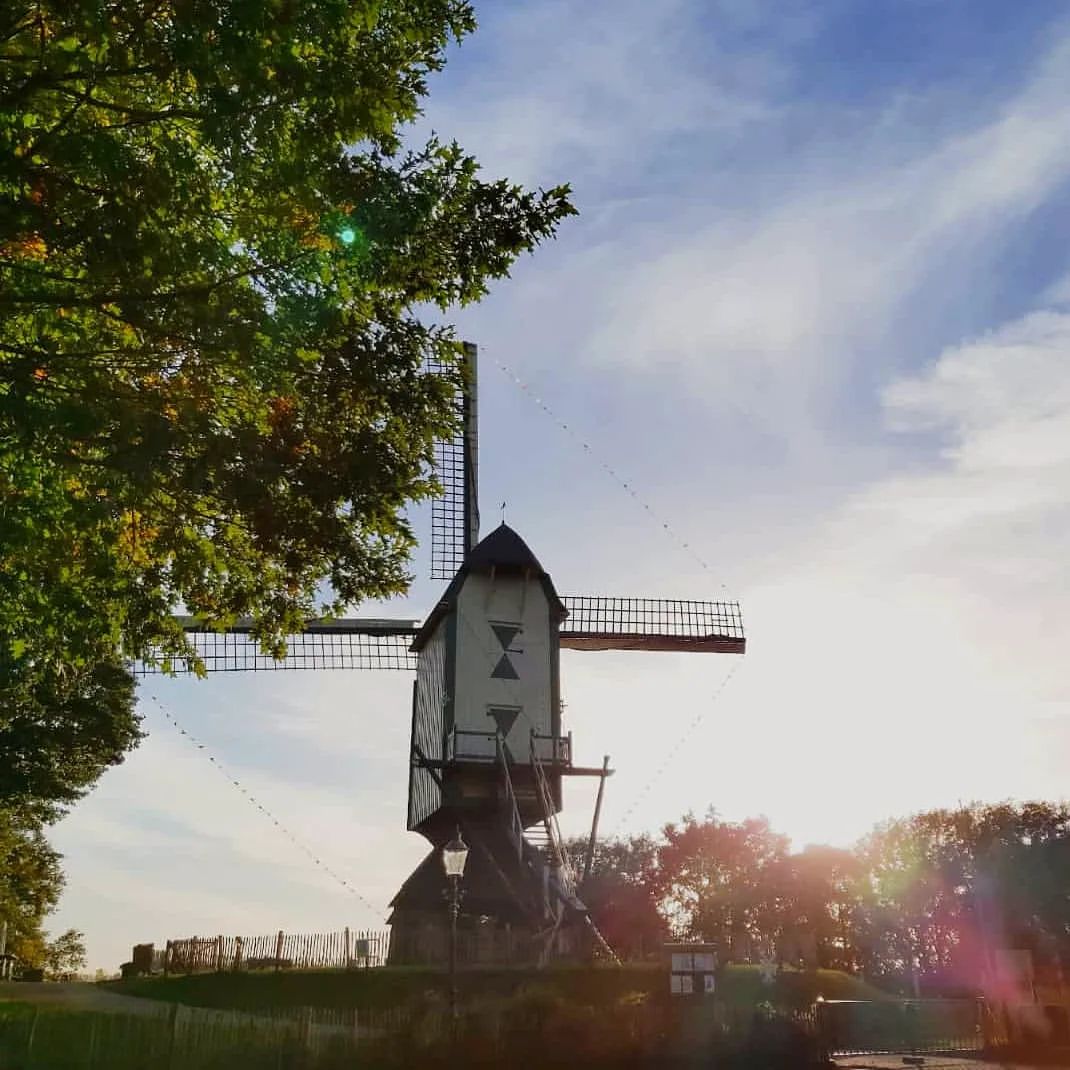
{"x":454,"y":856}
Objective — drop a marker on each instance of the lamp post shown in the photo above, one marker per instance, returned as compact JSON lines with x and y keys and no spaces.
{"x":454,"y":856}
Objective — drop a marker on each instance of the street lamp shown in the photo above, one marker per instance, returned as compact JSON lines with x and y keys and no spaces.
{"x":454,"y":856}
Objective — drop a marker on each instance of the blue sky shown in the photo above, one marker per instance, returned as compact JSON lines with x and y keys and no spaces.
{"x":816,"y":308}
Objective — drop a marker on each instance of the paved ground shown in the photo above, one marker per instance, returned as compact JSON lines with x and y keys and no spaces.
{"x":87,"y":997}
{"x":932,"y":1062}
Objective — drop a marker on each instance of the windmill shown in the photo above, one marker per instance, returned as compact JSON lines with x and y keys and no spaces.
{"x":488,"y":751}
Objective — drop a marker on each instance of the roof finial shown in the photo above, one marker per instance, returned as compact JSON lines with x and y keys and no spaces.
{"x":503,"y":512}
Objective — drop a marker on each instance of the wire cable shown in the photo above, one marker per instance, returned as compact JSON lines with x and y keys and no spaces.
{"x":607,"y":468}
{"x":673,"y":751}
{"x":252,"y":799}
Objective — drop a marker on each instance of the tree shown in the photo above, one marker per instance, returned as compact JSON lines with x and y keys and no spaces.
{"x":946,"y":888}
{"x":60,"y":727}
{"x":721,"y":882}
{"x":819,"y":891}
{"x":217,"y":265}
{"x":30,"y":884}
{"x":65,"y":955}
{"x":622,"y":892}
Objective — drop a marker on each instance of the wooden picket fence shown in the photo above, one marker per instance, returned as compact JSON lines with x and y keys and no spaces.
{"x":346,"y":950}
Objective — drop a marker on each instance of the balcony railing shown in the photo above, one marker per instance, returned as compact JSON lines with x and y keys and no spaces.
{"x":467,"y":746}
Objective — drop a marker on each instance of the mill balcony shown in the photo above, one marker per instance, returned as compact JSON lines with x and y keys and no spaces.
{"x":482,"y":747}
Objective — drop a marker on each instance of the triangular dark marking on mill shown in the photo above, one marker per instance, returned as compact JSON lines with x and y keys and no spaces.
{"x":504,"y":670}
{"x":504,"y":719}
{"x":506,"y":633}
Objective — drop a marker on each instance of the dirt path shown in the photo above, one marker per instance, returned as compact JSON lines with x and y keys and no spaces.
{"x":78,"y":996}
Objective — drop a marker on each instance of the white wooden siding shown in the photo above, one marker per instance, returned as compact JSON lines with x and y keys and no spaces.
{"x":503,"y":600}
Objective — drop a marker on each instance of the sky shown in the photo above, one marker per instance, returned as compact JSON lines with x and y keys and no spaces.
{"x":815,"y":310}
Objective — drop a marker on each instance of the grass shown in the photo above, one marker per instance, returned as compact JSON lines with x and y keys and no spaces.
{"x":392,"y":987}
{"x":34,"y":1037}
{"x":601,"y":1019}
{"x":49,"y":1038}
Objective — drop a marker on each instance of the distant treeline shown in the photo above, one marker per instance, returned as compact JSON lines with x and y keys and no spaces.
{"x":925,"y":899}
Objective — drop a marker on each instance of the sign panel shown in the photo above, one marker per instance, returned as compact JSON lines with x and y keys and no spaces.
{"x":691,"y":969}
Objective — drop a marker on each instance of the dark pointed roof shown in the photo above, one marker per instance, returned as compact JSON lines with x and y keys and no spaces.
{"x":504,"y":551}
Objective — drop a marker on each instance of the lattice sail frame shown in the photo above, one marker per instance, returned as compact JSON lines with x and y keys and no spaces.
{"x":603,"y":623}
{"x":351,"y":643}
{"x":455,"y":515}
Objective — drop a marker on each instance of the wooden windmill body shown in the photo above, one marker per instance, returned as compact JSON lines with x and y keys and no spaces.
{"x":488,"y":750}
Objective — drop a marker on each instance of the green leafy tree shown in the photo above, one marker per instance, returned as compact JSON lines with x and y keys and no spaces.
{"x":219,"y":270}
{"x":60,"y":727}
{"x":622,"y":893}
{"x":30,"y":884}
{"x":65,"y":955}
{"x":222,"y":274}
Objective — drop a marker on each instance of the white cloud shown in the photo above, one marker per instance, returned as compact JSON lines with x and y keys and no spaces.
{"x":591,"y":90}
{"x":777,"y":304}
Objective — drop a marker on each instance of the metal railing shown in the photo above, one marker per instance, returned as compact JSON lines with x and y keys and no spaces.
{"x":565,"y":875}
{"x":860,"y":1027}
{"x":464,"y":745}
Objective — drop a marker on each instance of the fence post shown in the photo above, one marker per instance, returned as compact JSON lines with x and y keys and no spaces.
{"x":219,"y":954}
{"x":92,"y":1054}
{"x":29,"y":1039}
{"x":238,"y":944}
{"x":167,"y":959}
{"x":278,"y":951}
{"x":348,"y":964}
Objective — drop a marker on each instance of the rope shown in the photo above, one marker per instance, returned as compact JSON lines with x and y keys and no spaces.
{"x":263,"y":809}
{"x":674,"y":750}
{"x":607,"y":468}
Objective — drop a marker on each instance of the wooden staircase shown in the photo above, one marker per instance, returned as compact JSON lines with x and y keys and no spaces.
{"x":548,"y":857}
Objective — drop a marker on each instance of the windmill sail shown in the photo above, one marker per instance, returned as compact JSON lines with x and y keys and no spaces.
{"x":595,"y":623}
{"x":350,"y":643}
{"x":455,"y":515}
